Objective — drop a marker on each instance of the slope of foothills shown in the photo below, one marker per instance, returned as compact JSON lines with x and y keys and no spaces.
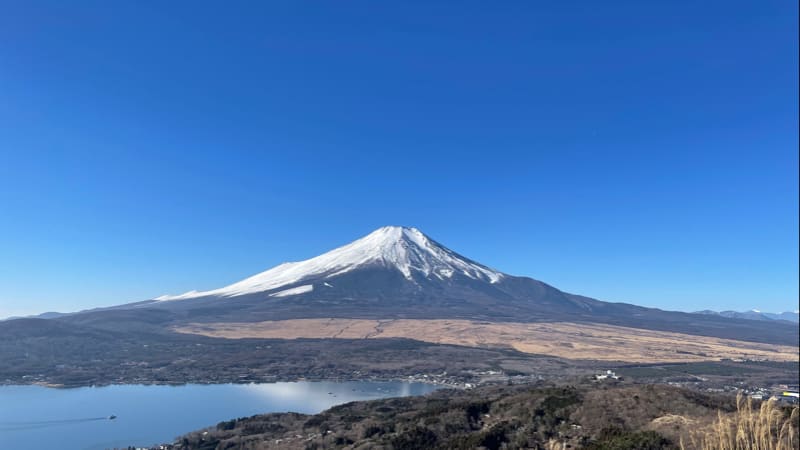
{"x":535,"y":416}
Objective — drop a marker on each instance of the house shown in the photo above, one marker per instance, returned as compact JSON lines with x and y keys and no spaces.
{"x":609,"y":374}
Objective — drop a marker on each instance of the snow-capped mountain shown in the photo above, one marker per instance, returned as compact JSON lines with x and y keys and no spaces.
{"x":755,"y":314}
{"x":393,"y":271}
{"x":404,"y":249}
{"x":400,"y":273}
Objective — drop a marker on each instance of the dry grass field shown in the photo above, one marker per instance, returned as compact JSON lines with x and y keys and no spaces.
{"x":561,"y":339}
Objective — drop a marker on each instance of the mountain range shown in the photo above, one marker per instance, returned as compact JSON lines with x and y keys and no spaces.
{"x":754,"y":314}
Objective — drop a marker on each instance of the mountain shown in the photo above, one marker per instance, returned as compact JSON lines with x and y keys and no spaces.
{"x":399,"y":273}
{"x":754,"y":314}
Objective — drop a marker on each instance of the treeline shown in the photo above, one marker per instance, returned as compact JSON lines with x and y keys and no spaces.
{"x":46,"y":351}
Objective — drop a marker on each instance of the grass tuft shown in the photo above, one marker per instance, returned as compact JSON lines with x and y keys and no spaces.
{"x":766,"y":427}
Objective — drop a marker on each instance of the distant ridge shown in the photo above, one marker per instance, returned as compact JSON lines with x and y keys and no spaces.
{"x":754,"y":314}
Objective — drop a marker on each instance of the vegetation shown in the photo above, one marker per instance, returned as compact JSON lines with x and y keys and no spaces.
{"x":47,"y":351}
{"x":588,"y":416}
{"x":759,"y":373}
{"x":767,"y":427}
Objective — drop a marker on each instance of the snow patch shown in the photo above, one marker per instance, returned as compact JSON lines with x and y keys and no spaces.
{"x":189,"y":294}
{"x":294,"y":291}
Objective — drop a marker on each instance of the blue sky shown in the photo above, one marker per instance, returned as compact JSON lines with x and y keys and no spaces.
{"x":634,"y":151}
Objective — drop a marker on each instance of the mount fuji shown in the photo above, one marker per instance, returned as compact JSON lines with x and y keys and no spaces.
{"x":401,"y":273}
{"x":406,"y":250}
{"x":393,"y":272}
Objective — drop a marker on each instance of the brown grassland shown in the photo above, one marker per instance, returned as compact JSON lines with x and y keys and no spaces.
{"x":560,"y":339}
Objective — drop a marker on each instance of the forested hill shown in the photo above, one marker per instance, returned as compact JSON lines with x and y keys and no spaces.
{"x":590,"y":416}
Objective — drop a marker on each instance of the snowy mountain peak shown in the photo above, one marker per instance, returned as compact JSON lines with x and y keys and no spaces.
{"x":402,"y":248}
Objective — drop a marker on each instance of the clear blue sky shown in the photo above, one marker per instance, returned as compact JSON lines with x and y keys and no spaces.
{"x":630,"y":151}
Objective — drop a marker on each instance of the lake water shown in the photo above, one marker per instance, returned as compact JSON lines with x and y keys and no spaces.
{"x":38,"y":418}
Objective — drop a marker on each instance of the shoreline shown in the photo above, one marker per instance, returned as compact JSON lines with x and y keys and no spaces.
{"x":446,"y":385}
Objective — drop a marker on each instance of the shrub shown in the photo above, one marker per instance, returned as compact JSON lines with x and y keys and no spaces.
{"x":414,"y":439}
{"x":619,"y":439}
{"x":475,"y":409}
{"x":227,"y":425}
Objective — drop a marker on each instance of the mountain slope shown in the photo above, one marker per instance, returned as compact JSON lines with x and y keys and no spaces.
{"x":406,"y":250}
{"x":392,"y":272}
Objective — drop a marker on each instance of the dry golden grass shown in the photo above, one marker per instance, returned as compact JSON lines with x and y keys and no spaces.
{"x":554,"y":444}
{"x":562,"y":339}
{"x":764,"y":428}
{"x":672,"y":421}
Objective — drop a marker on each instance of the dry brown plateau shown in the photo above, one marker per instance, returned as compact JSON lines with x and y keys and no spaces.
{"x":561,"y":339}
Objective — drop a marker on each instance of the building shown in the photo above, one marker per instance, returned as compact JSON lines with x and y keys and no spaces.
{"x":608,"y":374}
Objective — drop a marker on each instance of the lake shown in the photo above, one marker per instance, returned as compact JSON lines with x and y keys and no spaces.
{"x":36,"y":417}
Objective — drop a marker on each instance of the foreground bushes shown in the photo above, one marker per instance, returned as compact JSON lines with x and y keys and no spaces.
{"x":541,"y":417}
{"x":768,"y":427}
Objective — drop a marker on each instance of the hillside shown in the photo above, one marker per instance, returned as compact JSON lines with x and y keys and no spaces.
{"x":587,"y":416}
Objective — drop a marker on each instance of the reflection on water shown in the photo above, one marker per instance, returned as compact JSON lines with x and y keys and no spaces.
{"x":317,"y":396}
{"x":35,"y":417}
